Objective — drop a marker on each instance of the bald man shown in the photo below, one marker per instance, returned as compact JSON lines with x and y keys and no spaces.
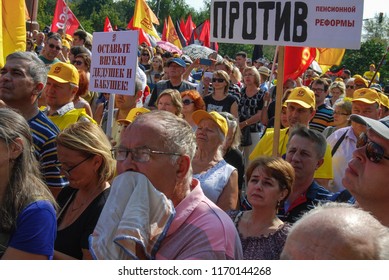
{"x":337,"y":231}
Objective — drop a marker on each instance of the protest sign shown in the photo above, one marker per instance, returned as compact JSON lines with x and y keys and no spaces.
{"x":320,"y":23}
{"x":114,"y":62}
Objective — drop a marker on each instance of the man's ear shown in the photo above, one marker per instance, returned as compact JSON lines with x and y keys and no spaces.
{"x":319,"y":163}
{"x":15,"y":148}
{"x":74,"y":90}
{"x":183,"y":165}
{"x":38,"y":88}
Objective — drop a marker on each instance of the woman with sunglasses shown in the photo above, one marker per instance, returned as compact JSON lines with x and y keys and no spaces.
{"x":145,"y":58}
{"x":27,"y":207}
{"x":191,"y":101}
{"x":84,"y":152}
{"x":220,"y":100}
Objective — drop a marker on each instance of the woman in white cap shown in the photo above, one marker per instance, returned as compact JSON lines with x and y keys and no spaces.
{"x":219,"y":180}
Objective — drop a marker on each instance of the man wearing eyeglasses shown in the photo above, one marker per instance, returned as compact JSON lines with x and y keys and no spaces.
{"x":161,"y":146}
{"x":366,"y":102}
{"x":366,"y":176}
{"x":324,"y":115}
{"x":51,"y":50}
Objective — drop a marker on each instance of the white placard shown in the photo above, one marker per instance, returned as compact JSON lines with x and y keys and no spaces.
{"x":114,"y":62}
{"x":308,"y":23}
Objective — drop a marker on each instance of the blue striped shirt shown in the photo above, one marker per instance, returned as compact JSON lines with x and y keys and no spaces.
{"x":44,"y":133}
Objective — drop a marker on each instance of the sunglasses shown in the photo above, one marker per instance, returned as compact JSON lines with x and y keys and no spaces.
{"x":350,"y":87}
{"x":77,"y":62}
{"x":145,"y":54}
{"x":187,"y":102}
{"x":52,"y":46}
{"x":219,"y":80}
{"x":374,"y":152}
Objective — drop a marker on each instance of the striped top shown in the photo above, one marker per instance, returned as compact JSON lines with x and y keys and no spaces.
{"x":324,"y":117}
{"x":44,"y":133}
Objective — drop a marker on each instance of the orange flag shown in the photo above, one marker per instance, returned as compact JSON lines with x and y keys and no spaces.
{"x":171,"y":34}
{"x":144,"y":18}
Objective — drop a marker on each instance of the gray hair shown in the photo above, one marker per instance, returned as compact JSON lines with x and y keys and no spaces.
{"x":351,"y":222}
{"x":314,"y":136}
{"x":36,"y":69}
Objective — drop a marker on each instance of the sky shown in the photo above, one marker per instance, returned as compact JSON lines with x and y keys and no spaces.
{"x":370,"y":7}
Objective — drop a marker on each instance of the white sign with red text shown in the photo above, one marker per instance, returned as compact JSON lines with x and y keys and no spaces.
{"x":114,"y":62}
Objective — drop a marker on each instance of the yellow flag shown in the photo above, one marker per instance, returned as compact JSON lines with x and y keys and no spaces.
{"x":328,"y":57}
{"x":144,"y":18}
{"x":171,"y":34}
{"x":13,"y":28}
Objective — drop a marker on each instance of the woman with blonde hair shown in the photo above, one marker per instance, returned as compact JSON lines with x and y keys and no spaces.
{"x":85,"y":154}
{"x":27,"y":207}
{"x":191,"y":101}
{"x":155,"y":72}
{"x":170,"y":100}
{"x":220,"y":100}
{"x":262,"y":233}
{"x":342,"y":112}
{"x":337,"y":91}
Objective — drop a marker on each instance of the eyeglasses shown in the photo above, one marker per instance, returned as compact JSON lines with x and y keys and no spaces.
{"x":339,"y":113}
{"x":52,"y":46}
{"x":140,"y":154}
{"x":77,"y":62}
{"x":350,"y":87}
{"x":374,"y":152}
{"x":219,"y":80}
{"x":187,"y":101}
{"x":67,"y":172}
{"x":145,"y":54}
{"x":318,"y":90}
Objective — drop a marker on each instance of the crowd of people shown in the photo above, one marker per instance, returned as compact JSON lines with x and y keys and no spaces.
{"x":190,"y":159}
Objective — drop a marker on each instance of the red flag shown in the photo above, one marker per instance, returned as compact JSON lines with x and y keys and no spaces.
{"x":107,"y":25}
{"x":182,"y":27}
{"x":189,"y":27}
{"x":142,"y":37}
{"x":64,"y":18}
{"x":205,"y":34}
{"x":164,"y":31}
{"x":297,"y":60}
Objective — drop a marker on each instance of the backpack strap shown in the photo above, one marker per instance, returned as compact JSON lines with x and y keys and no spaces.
{"x":337,"y":144}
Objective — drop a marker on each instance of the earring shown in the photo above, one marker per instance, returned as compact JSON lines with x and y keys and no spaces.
{"x":278,"y":204}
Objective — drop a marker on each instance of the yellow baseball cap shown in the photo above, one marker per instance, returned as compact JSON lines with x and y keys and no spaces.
{"x":65,"y":43}
{"x":221,"y":121}
{"x":302,"y":96}
{"x":133,"y":114}
{"x":384,"y":99}
{"x":366,"y":95}
{"x":64,"y":73}
{"x":358,"y":79}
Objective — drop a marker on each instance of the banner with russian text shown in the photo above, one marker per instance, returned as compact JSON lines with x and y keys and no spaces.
{"x":114,"y":62}
{"x":319,"y":23}
{"x":144,"y":18}
{"x":64,"y":19}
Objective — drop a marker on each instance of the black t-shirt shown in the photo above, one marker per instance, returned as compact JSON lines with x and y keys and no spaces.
{"x":73,"y":238}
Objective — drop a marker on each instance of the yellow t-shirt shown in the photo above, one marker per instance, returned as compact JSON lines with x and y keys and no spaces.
{"x":369,"y":75}
{"x":265,"y":148}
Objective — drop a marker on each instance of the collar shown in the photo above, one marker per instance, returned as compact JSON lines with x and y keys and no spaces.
{"x":63,"y":110}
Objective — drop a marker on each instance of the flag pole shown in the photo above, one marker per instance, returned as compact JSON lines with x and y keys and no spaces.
{"x":279,"y":94}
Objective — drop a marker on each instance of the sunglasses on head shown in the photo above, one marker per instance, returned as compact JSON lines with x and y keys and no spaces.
{"x":187,"y":102}
{"x":374,"y":152}
{"x":219,"y":80}
{"x":52,"y":46}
